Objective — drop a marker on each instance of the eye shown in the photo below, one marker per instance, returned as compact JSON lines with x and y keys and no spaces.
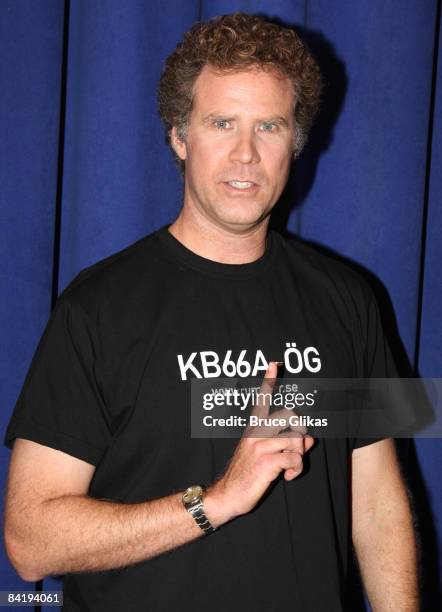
{"x":268,"y":126}
{"x":222,"y":124}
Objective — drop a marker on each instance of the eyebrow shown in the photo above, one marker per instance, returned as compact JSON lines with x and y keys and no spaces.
{"x":213,"y":116}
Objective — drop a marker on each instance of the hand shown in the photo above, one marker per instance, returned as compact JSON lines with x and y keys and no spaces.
{"x":257,"y":461}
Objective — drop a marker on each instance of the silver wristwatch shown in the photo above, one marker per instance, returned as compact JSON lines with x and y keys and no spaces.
{"x":193,"y":502}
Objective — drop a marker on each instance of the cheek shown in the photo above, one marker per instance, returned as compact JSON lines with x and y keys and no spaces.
{"x":278,"y":164}
{"x":206,"y":158}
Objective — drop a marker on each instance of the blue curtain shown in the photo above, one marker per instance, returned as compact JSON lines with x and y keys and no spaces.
{"x":85,"y":171}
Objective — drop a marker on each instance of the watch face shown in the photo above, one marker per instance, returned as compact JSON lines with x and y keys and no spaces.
{"x":192,"y":494}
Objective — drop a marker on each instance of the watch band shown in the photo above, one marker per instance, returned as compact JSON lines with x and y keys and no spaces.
{"x":193,"y":502}
{"x":197,"y":511}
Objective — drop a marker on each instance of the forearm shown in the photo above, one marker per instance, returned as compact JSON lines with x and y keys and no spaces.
{"x":82,"y":534}
{"x":386,"y":549}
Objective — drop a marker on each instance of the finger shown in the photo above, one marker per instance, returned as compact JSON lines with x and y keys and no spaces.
{"x":269,"y":426}
{"x":280,"y":444}
{"x":273,"y":424}
{"x":272,"y":370}
{"x":308,"y":442}
{"x":296,"y":443}
{"x":282,"y":420}
{"x":263,"y":404}
{"x":290,"y":474}
{"x":290,"y":461}
{"x":291,"y":434}
{"x":284,"y":412}
{"x":305,"y":441}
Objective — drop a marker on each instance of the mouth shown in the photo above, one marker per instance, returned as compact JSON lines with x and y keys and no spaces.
{"x":241,"y":185}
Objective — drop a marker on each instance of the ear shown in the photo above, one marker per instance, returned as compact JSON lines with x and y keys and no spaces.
{"x":179,"y":146}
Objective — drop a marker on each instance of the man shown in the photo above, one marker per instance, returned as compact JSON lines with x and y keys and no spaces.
{"x":103,"y":454}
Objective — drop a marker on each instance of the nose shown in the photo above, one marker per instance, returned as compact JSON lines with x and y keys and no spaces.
{"x":244,"y":149}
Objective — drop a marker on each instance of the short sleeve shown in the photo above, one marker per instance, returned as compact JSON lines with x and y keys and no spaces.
{"x":378,"y":363}
{"x":61,"y":404}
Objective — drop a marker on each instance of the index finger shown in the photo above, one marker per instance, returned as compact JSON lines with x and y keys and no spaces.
{"x":262,"y":407}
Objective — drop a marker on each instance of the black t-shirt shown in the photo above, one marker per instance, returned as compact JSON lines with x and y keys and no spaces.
{"x":110,"y":384}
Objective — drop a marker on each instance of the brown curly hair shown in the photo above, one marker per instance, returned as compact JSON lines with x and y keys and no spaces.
{"x":239,"y":42}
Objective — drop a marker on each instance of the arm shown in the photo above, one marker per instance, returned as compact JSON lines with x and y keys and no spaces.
{"x":53,"y":527}
{"x":382,"y":529}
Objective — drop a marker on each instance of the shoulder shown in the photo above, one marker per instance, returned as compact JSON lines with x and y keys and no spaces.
{"x":330,"y":286}
{"x":115,"y":282}
{"x":324,"y":273}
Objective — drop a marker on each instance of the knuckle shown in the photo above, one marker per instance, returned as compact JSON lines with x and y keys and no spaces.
{"x":294,"y":435}
{"x":265,"y":461}
{"x":296,"y":445}
{"x":296,"y":462}
{"x":258,"y":448}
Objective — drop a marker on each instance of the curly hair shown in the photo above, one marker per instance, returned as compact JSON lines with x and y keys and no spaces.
{"x":239,"y":42}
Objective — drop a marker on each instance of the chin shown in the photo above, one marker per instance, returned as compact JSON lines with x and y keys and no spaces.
{"x":241,"y":222}
{"x":243,"y":216}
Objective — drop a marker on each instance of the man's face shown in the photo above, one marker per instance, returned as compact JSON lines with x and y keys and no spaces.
{"x":238,"y":147}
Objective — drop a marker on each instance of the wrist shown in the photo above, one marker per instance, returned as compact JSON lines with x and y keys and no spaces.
{"x":216,"y":506}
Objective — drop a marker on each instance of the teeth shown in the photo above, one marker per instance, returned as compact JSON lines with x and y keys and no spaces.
{"x":240,"y":184}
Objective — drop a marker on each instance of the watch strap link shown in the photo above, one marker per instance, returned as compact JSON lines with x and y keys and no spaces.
{"x":197,"y":511}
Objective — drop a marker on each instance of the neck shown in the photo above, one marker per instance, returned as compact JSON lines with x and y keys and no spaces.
{"x":218,"y":243}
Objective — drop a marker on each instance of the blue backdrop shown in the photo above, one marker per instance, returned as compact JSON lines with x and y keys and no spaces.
{"x":85,"y":171}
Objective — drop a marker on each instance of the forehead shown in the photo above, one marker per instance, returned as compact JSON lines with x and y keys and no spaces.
{"x":250,"y":91}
